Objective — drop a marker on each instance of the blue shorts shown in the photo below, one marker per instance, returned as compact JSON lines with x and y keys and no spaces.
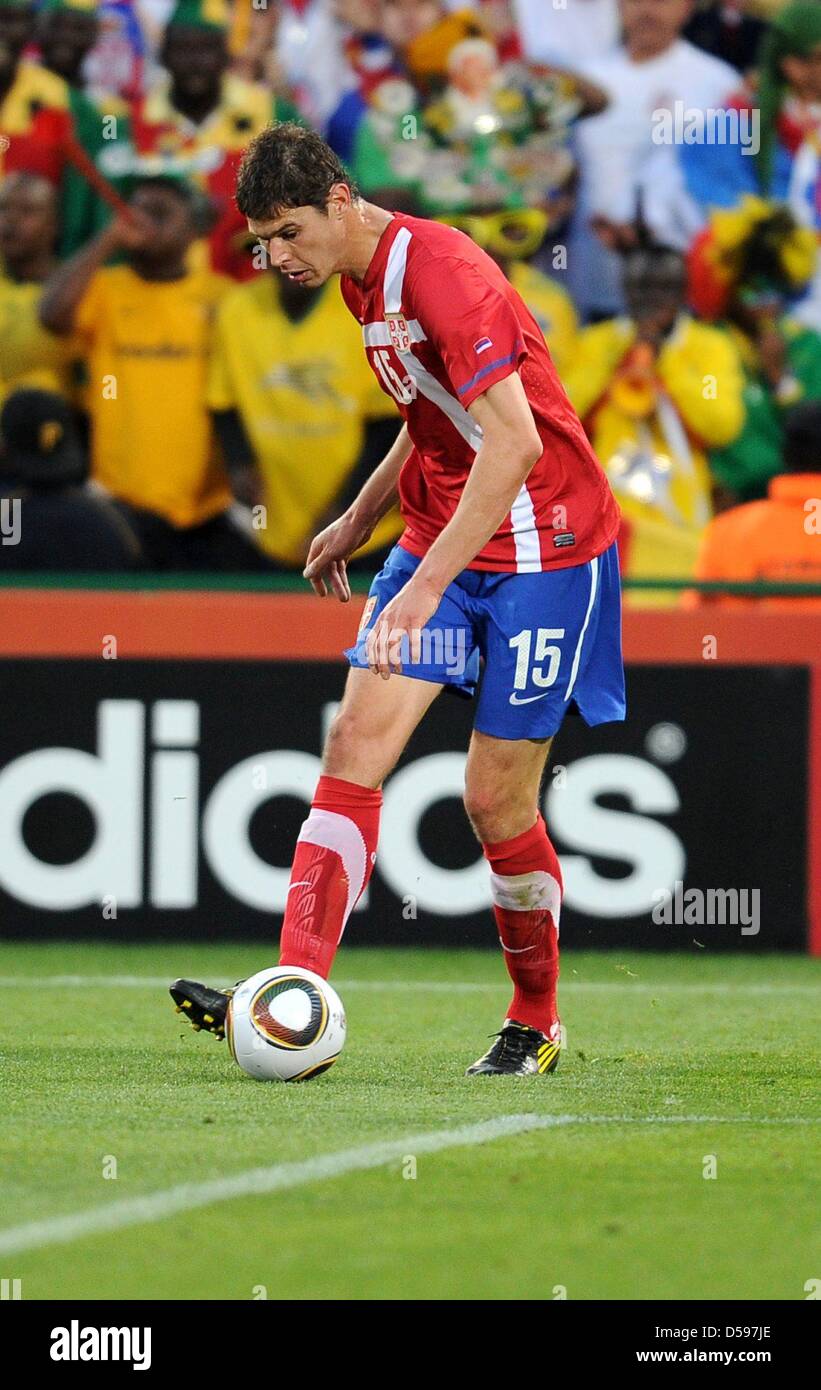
{"x":549,"y":641}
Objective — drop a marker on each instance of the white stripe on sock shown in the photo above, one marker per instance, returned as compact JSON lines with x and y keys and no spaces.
{"x":527,"y":892}
{"x":331,"y":831}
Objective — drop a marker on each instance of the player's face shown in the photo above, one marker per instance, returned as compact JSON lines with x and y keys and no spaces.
{"x":303,"y":243}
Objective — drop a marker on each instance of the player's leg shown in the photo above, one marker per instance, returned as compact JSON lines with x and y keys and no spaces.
{"x":502,"y":783}
{"x":336,"y":848}
{"x":337,"y":844}
{"x":550,"y":639}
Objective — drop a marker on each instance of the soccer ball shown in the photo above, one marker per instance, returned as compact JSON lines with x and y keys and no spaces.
{"x":285,"y":1024}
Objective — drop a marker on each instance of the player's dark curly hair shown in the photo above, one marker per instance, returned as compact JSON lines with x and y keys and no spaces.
{"x":287,"y":166}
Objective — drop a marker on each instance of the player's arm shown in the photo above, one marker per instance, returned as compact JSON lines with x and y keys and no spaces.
{"x":510,"y":447}
{"x":331,"y":549}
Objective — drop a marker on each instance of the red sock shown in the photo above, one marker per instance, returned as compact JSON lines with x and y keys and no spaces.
{"x":526,"y":884}
{"x":332,"y":864}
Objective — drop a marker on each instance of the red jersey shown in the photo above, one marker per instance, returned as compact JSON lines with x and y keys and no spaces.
{"x":442,"y":324}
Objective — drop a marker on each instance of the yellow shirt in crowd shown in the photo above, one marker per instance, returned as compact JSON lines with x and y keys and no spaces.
{"x":29,"y":355}
{"x":303,"y":390}
{"x":147,"y":346}
{"x":650,"y":423}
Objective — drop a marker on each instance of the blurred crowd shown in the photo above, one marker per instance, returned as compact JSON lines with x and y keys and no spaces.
{"x":647,"y":173}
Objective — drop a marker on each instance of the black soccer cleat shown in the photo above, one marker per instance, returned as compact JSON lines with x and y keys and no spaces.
{"x":519,"y":1051}
{"x":203,"y":1007}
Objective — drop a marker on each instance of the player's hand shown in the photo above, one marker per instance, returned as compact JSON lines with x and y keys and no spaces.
{"x":329,"y":554}
{"x":400,"y":624}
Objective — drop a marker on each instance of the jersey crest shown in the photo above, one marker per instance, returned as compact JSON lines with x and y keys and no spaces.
{"x":398,"y":332}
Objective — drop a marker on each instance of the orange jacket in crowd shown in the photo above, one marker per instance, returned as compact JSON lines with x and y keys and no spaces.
{"x":777,"y":538}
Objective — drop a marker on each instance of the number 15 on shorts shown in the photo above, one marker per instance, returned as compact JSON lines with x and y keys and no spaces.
{"x":543,"y":650}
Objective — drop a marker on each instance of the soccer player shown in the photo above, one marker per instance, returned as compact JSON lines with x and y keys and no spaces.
{"x":508,"y":553}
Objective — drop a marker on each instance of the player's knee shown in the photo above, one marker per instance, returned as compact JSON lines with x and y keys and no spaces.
{"x":482,"y":806}
{"x":343,"y":738}
{"x":497,"y":813}
{"x":351,"y":746}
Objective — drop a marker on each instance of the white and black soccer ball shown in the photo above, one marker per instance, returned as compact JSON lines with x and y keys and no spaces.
{"x":285,"y":1024}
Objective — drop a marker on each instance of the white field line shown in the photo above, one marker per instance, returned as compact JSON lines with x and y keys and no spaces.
{"x":279,"y":1177}
{"x":418,"y":986}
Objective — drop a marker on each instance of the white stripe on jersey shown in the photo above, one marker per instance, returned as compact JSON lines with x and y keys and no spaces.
{"x":525,"y":535}
{"x":522,"y":515}
{"x":574,"y":670}
{"x":425,"y":382}
{"x":395,"y":272}
{"x":434,"y":391}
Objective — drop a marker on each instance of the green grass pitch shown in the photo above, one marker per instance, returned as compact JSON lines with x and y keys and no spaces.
{"x":670,"y":1060}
